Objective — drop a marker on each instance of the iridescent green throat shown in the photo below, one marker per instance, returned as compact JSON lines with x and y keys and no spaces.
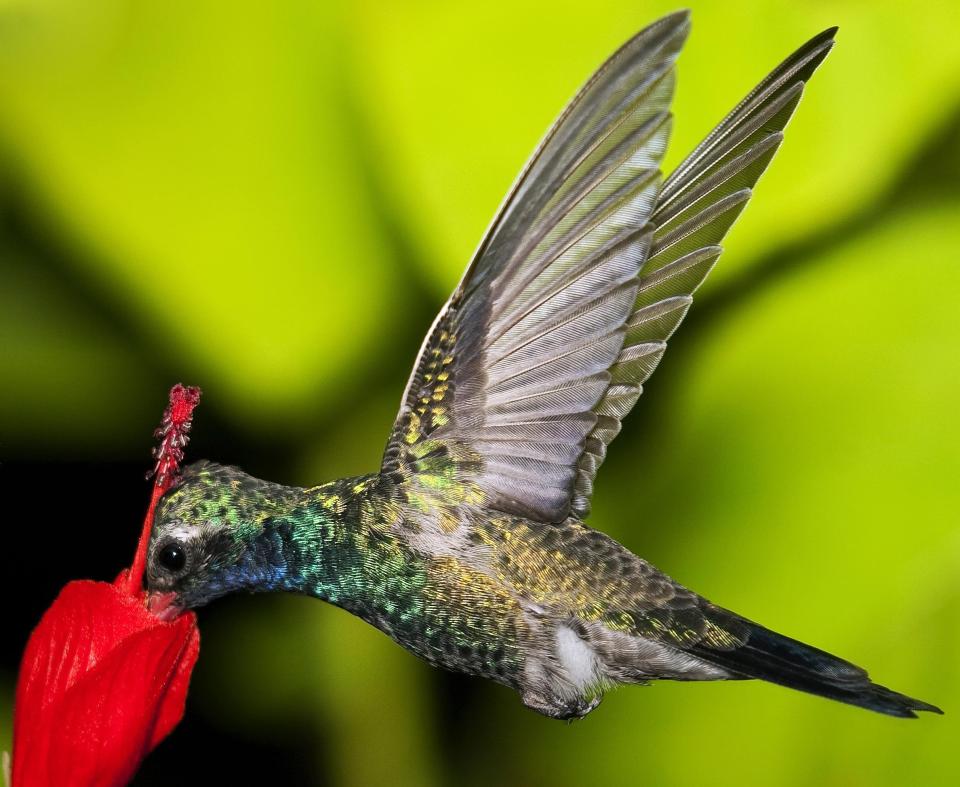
{"x":329,"y":541}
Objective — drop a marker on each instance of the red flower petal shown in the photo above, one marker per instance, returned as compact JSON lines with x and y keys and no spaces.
{"x":102,"y":682}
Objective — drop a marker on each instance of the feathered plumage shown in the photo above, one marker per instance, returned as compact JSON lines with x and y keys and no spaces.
{"x":468,"y":546}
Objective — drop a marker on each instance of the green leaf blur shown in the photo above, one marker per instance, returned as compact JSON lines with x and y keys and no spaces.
{"x":271,"y":200}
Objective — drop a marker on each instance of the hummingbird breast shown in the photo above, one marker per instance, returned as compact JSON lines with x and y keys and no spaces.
{"x":558,"y":612}
{"x":423,"y":586}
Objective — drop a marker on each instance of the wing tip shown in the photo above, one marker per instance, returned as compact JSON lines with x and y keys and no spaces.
{"x":820,"y":46}
{"x":676,"y":18}
{"x":830,"y":33}
{"x":673,"y":25}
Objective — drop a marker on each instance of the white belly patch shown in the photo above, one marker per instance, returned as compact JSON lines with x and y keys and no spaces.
{"x":577,"y":658}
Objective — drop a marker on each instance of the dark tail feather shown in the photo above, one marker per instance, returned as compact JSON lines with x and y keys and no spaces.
{"x":787,"y":662}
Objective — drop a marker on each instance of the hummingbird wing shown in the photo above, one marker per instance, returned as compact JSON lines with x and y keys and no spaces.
{"x":696,"y":207}
{"x":518,"y":358}
{"x":585,"y":272}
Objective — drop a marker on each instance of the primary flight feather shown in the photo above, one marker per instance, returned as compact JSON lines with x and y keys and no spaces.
{"x":469,"y":546}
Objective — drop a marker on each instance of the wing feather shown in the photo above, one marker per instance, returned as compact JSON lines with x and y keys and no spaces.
{"x":695,"y":208}
{"x":514,"y":365}
{"x":585,"y":273}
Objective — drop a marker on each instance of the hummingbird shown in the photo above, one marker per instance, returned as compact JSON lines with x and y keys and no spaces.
{"x":469,"y":546}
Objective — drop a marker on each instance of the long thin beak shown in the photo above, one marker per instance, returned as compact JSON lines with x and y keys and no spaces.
{"x":164,"y":605}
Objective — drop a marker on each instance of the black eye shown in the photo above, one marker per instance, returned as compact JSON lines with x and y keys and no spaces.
{"x":173,"y":556}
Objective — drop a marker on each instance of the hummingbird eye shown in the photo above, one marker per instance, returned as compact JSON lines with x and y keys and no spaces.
{"x":172,"y":556}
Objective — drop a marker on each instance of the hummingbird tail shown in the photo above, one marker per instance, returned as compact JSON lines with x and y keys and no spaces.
{"x":778,"y":659}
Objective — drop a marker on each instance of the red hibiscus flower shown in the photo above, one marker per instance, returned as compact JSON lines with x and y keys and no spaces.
{"x":103,"y":680}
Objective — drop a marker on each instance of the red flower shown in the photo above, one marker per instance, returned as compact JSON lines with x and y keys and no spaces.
{"x":103,"y":680}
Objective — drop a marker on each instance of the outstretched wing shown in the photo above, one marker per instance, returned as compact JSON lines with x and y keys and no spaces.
{"x":695,"y":208}
{"x":517,"y":360}
{"x":543,"y":347}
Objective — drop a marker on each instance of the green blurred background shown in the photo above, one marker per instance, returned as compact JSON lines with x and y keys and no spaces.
{"x":271,"y":200}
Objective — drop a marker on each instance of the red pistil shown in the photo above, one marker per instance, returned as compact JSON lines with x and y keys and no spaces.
{"x":173,"y":434}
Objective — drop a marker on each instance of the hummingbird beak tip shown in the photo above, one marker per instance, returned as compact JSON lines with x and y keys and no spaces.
{"x":164,"y":605}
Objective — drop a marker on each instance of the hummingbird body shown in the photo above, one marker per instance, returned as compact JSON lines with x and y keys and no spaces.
{"x":469,"y":547}
{"x":351,"y":543}
{"x":558,"y":613}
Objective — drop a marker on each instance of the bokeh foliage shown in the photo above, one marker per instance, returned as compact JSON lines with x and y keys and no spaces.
{"x":271,"y":200}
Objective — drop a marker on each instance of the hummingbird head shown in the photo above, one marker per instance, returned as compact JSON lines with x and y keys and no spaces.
{"x":206,"y":537}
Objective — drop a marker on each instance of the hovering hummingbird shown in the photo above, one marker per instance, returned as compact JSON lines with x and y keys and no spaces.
{"x":469,"y":547}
